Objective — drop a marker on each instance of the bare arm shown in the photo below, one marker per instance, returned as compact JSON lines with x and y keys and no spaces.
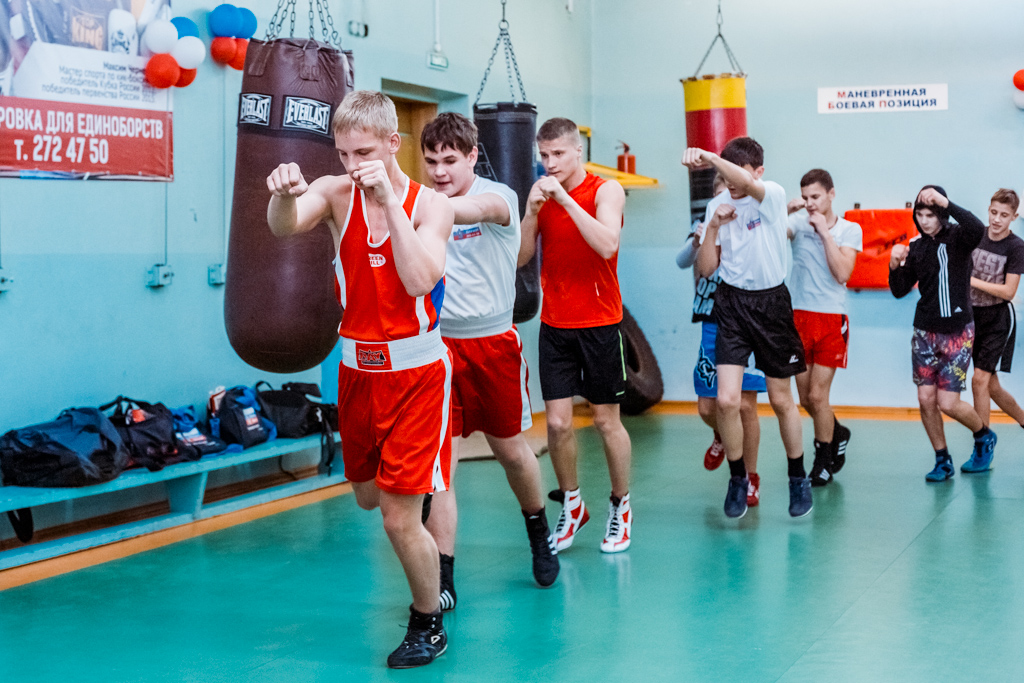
{"x":420,"y":251}
{"x":709,"y":256}
{"x":529,"y":226}
{"x":840,"y":260}
{"x":602,"y":231}
{"x":1007,"y":290}
{"x":481,"y":208}
{"x":734,"y":175}
{"x":296,"y":206}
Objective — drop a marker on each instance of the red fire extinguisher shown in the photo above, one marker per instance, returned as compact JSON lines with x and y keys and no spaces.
{"x":627,"y":161}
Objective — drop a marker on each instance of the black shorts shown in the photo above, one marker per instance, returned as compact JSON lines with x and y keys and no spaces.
{"x":587,"y":362}
{"x":759,"y":322}
{"x":995,"y":334}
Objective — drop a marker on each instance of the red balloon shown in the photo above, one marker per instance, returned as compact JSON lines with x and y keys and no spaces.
{"x":162,"y":71}
{"x":186,"y":78}
{"x":223,"y":49}
{"x":1018,"y":79}
{"x":242,"y":46}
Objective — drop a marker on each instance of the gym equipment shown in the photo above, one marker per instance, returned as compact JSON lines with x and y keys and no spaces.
{"x":507,"y":134}
{"x":644,"y":384}
{"x":716,"y":112}
{"x":279,"y":304}
{"x":882,"y":230}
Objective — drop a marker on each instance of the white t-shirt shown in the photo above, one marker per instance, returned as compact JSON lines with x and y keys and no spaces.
{"x":480,"y":271}
{"x":811,"y":283}
{"x":754,"y":250}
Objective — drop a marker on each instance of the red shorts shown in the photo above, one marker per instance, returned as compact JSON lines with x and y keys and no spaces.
{"x":826,"y":337}
{"x":395,"y":427}
{"x":489,"y":391}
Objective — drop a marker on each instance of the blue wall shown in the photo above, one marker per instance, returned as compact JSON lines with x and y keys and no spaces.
{"x":789,"y":49}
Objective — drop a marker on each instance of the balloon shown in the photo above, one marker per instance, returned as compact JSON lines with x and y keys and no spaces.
{"x":186,"y":78}
{"x":239,"y":60}
{"x":225,"y":21}
{"x":185,"y":26}
{"x":1018,"y":99}
{"x":189,"y":52}
{"x":222,"y":50}
{"x":248,"y":23}
{"x":162,"y":71}
{"x":1018,"y":79}
{"x":160,"y":37}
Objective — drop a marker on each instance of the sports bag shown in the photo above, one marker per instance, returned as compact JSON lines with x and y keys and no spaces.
{"x":193,"y":442}
{"x":147,"y":429}
{"x":296,"y":416}
{"x":240,"y":419}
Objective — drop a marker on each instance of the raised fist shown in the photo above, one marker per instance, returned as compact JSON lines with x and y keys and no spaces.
{"x":287,"y":181}
{"x":795,"y":205}
{"x":695,"y":158}
{"x":899,"y":255}
{"x":725,"y":213}
{"x":929,"y":196}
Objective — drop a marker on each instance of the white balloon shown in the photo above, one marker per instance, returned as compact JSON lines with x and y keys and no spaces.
{"x":189,"y":52}
{"x":160,"y":37}
{"x":1018,"y":99}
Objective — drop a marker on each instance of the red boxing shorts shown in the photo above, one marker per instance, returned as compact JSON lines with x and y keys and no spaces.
{"x":826,"y":337}
{"x":395,"y":419}
{"x":489,"y":392}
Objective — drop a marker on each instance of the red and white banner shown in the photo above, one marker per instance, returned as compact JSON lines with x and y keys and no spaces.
{"x":73,"y":98}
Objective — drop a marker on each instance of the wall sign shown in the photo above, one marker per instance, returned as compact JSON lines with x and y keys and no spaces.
{"x":883,"y":98}
{"x":73,"y":98}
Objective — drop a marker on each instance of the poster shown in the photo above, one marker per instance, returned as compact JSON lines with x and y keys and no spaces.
{"x":873,"y":99}
{"x":73,"y":98}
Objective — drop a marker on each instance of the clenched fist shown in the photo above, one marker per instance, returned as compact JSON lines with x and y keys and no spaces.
{"x":899,"y":255}
{"x":287,"y":181}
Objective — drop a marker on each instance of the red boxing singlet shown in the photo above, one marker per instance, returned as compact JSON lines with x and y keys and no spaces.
{"x":377,"y":307}
{"x":581,"y":289}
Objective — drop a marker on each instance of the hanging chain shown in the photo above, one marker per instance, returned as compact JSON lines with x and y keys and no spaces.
{"x":286,"y":9}
{"x":733,"y":62}
{"x":511,"y":65}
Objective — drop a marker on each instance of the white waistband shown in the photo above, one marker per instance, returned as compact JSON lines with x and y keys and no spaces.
{"x":398,"y":354}
{"x":473,"y":328}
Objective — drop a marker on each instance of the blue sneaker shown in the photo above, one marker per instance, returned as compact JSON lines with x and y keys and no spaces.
{"x":981,"y":459}
{"x":736,"y":498}
{"x":943,"y":471}
{"x":800,"y":502}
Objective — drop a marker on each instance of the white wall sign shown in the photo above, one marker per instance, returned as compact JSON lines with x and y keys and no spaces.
{"x":883,"y":98}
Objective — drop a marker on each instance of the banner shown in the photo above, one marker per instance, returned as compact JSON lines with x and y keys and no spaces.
{"x":73,"y":98}
{"x":883,"y":98}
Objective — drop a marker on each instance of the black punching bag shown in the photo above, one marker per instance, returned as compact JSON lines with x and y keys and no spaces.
{"x":506,"y":135}
{"x":279,"y":302}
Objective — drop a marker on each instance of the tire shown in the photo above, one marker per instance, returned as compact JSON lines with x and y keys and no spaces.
{"x":644,"y":385}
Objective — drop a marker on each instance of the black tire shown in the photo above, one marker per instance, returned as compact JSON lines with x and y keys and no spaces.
{"x":644,"y":385}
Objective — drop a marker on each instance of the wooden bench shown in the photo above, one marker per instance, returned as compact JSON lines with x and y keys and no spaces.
{"x":185,"y":484}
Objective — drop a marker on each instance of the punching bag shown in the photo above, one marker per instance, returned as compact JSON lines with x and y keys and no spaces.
{"x":279,"y":303}
{"x":506,"y":132}
{"x":716,"y":112}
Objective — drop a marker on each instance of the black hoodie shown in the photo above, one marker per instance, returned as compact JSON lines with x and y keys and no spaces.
{"x":941,"y":266}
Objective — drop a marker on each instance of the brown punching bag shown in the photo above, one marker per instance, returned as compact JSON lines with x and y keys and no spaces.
{"x":279,"y":302}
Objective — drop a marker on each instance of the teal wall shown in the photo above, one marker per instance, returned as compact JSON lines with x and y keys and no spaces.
{"x":789,"y":49}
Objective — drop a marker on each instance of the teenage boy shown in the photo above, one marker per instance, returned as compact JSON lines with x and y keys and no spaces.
{"x":395,"y":374}
{"x":489,"y":392}
{"x":940,"y":264}
{"x":998,"y":264}
{"x":825,"y":249}
{"x":705,"y":378}
{"x":745,"y":239}
{"x":578,"y":217}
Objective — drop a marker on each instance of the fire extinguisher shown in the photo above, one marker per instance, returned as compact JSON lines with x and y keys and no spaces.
{"x":627,"y":161}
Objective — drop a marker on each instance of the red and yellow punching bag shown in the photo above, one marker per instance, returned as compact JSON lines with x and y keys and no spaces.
{"x":716,"y":112}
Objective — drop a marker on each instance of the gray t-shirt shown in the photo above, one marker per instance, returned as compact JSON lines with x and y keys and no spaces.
{"x":811,"y":284}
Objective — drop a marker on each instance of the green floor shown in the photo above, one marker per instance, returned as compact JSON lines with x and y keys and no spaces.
{"x":888,"y":579}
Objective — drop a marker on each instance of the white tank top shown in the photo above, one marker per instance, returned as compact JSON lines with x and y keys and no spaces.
{"x":480,"y":272}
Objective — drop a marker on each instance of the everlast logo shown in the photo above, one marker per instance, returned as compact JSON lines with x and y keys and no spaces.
{"x":254,"y":109}
{"x":301,"y":113}
{"x":87,"y":31}
{"x":374,"y":357}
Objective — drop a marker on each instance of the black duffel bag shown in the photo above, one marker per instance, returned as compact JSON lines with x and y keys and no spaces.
{"x":296,"y":416}
{"x":147,"y":430}
{"x":239,"y":419}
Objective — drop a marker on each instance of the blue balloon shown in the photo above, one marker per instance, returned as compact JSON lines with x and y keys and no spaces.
{"x":248,"y":23}
{"x":225,"y":21}
{"x":185,"y":26}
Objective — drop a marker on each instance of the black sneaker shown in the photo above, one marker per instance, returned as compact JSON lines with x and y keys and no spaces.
{"x":821,"y":470}
{"x":425,"y":641}
{"x":545,"y":558}
{"x":425,"y":514}
{"x":840,"y":439}
{"x":447,"y":583}
{"x":736,"y":497}
{"x":800,"y":502}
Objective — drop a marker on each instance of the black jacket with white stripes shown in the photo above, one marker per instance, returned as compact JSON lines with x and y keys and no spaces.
{"x":941,"y":266}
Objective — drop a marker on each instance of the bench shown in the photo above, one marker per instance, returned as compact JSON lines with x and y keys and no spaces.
{"x":185,"y":484}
